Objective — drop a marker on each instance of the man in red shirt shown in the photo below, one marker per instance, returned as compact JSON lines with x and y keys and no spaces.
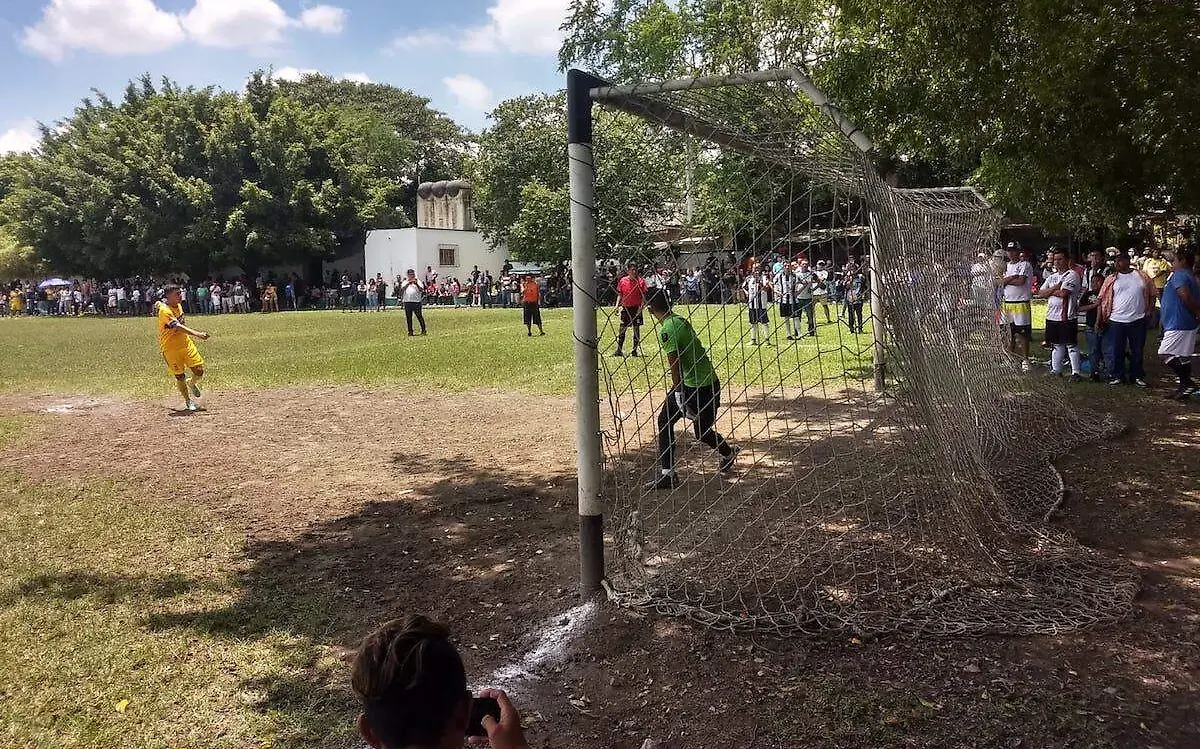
{"x":631,"y":292}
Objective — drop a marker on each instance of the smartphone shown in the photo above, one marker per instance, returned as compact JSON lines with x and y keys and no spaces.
{"x":481,"y":706}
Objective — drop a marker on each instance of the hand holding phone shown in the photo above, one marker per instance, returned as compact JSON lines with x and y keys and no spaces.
{"x":504,"y":733}
{"x":480,"y":707}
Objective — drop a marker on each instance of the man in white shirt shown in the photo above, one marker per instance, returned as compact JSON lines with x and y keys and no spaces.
{"x":1016,"y":291}
{"x":756,"y":287}
{"x":1061,"y":291}
{"x":1126,"y":304}
{"x":412,"y":296}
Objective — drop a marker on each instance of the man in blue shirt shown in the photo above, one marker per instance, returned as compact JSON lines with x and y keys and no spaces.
{"x":1180,"y":319}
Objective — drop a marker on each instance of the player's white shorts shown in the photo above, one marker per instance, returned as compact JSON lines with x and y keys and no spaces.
{"x":1178,"y":343}
{"x":1016,"y":313}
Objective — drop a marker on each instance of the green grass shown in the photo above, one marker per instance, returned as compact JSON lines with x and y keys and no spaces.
{"x":101,"y":601}
{"x":465,"y":349}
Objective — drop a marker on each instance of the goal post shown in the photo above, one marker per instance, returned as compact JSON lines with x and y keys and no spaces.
{"x":590,"y":455}
{"x":855,"y":449}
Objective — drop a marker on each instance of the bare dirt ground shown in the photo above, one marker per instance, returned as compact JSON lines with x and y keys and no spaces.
{"x":368,"y":504}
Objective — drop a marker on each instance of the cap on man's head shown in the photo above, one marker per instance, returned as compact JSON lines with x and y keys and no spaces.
{"x":1013,"y":246}
{"x":1112,"y":252}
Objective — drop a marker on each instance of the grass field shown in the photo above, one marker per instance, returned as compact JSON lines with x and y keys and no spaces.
{"x":200,"y":582}
{"x":465,"y":349}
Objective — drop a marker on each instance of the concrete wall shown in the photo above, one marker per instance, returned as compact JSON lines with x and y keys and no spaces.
{"x":393,"y":251}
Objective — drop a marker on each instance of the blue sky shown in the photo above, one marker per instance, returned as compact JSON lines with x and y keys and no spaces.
{"x":465,"y":55}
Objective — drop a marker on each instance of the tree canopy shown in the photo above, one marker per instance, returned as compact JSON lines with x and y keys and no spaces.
{"x":1071,"y":113}
{"x":173,"y":179}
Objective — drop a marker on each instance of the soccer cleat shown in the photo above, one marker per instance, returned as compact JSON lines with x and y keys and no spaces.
{"x":191,"y":406}
{"x":664,"y":482}
{"x":530,"y":334}
{"x":194,"y":389}
{"x":1076,"y":378}
{"x":1140,"y":383}
{"x":618,"y":354}
{"x":634,"y":353}
{"x":1026,"y":366}
{"x":727,"y":461}
{"x":1181,"y":392}
{"x":1115,"y":381}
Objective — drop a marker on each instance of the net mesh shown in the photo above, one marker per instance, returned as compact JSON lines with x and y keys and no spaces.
{"x":896,"y":466}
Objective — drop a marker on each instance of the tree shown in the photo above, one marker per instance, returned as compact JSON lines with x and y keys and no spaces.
{"x":438,"y":144}
{"x":191,"y":180}
{"x":520,"y":175}
{"x":1070,"y":113}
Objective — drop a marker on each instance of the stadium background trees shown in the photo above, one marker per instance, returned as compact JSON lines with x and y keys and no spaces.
{"x":175,"y":179}
{"x":1069,"y":114}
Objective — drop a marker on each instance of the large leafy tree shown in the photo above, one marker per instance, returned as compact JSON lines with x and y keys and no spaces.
{"x":192,"y":180}
{"x":1070,"y":112}
{"x":438,"y":145}
{"x":522,"y":191}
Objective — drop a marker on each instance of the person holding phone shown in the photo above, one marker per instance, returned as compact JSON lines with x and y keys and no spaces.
{"x":412,"y":687}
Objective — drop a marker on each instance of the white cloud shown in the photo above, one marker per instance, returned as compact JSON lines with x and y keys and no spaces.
{"x":421,"y":40}
{"x":289,"y":73}
{"x":327,"y":19}
{"x":113,"y":27}
{"x":125,"y":27}
{"x":470,"y":92}
{"x":355,"y":77}
{"x":524,"y":27}
{"x":21,"y":138}
{"x":247,"y":24}
{"x":521,"y":26}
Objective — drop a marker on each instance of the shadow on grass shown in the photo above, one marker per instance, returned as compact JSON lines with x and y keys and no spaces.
{"x":490,"y":553}
{"x":475,"y":547}
{"x":106,"y":588}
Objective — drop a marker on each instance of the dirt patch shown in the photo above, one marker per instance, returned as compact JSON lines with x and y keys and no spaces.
{"x":369,"y":503}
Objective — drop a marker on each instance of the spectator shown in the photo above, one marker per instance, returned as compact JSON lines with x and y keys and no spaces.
{"x":1061,"y":290}
{"x":411,"y":295}
{"x":1016,"y":291}
{"x":1180,"y":318}
{"x":855,"y":294}
{"x":412,"y":689}
{"x":346,"y":293}
{"x":1089,"y":303}
{"x":785,"y":284}
{"x":381,"y":289}
{"x":1126,"y":302}
{"x":757,"y":289}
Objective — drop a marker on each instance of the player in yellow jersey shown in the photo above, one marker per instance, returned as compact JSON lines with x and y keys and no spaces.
{"x":175,"y":341}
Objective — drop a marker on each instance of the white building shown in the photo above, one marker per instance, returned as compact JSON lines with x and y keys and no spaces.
{"x":445,"y":238}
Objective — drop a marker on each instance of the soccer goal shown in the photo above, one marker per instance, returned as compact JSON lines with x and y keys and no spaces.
{"x":896,"y":464}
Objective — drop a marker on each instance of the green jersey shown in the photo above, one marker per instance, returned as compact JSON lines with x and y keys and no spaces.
{"x":679,"y":338}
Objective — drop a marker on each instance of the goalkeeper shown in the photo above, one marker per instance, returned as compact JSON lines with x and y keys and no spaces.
{"x":695,"y":392}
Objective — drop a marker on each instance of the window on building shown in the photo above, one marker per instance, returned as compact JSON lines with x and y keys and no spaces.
{"x":448,"y":255}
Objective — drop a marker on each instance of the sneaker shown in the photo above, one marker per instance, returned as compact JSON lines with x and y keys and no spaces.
{"x":1115,"y":381}
{"x":191,"y":406}
{"x":618,"y":354}
{"x":727,"y":461}
{"x":1076,"y":378}
{"x":530,"y":334}
{"x":634,"y":353}
{"x":1094,"y":377}
{"x":1025,"y":365}
{"x":1179,"y":393}
{"x":664,"y":482}
{"x":194,"y":389}
{"x":1140,"y":383}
